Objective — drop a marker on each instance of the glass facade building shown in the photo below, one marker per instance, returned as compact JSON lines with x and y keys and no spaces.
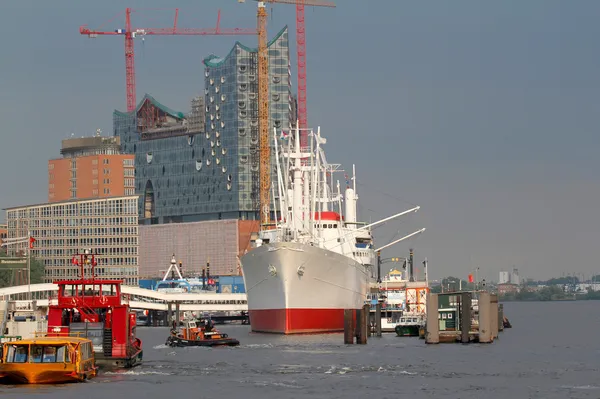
{"x":204,"y":165}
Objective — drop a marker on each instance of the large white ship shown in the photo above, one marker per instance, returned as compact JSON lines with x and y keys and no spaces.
{"x":316,"y":260}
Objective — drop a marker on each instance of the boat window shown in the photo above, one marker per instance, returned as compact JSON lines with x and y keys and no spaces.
{"x":17,"y":354}
{"x":70,"y":290}
{"x":49,"y":355}
{"x":60,"y":354}
{"x":36,"y":353}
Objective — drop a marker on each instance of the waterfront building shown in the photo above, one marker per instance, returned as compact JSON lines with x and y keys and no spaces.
{"x":90,"y":167}
{"x":107,"y":226}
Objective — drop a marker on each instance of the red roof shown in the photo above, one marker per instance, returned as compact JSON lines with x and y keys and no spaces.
{"x":327,"y":215}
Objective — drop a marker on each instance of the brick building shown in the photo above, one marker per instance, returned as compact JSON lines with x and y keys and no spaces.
{"x":91,"y":167}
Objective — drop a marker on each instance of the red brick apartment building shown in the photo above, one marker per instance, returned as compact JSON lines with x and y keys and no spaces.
{"x":91,"y":167}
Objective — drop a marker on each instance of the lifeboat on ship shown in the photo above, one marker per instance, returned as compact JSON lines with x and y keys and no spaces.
{"x":194,"y":334}
{"x":96,"y":309}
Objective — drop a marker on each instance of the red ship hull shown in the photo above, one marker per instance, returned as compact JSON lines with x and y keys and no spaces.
{"x":297,"y":321}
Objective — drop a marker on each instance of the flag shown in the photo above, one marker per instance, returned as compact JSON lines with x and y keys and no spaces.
{"x":470,"y":278}
{"x":284,"y":135}
{"x":31,"y":241}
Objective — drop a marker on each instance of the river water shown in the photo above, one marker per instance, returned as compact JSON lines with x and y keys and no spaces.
{"x":552,"y":351}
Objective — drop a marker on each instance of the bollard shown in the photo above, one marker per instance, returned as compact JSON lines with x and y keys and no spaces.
{"x":465,"y":317}
{"x":500,"y":317}
{"x":485,"y":322}
{"x":378,"y":319}
{"x":432,"y":332}
{"x":348,"y":326}
{"x":494,"y":315}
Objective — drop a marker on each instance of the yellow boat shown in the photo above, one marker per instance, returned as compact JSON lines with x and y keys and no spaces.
{"x":47,"y":360}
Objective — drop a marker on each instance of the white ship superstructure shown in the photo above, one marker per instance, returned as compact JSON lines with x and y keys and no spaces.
{"x":316,"y":259}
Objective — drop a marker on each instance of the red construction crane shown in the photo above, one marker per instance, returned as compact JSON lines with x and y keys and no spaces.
{"x":130,"y":34}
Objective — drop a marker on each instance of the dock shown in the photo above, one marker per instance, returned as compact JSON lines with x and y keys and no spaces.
{"x":452,"y":317}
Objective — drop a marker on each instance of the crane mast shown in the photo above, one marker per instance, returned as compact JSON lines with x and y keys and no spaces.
{"x":263,"y":92}
{"x":263,"y":116}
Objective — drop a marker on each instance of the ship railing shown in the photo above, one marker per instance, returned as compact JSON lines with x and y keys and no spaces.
{"x":42,"y":334}
{"x":9,"y":338}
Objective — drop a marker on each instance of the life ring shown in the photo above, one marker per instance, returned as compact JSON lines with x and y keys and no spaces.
{"x":73,"y":302}
{"x":103,"y":300}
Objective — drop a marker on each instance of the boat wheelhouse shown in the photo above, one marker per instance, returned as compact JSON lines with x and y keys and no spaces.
{"x":97,"y":310}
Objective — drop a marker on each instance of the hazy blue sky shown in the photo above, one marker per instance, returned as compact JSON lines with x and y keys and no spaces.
{"x":485,"y":113}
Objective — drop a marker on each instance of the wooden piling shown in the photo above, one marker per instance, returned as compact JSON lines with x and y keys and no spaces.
{"x":169,"y":321}
{"x":366,"y":311}
{"x":465,"y":317}
{"x":177,"y":317}
{"x":485,"y":322}
{"x":378,"y":319}
{"x":432,"y":333}
{"x":494,"y":315}
{"x":348,"y":326}
{"x":368,"y":321}
{"x":500,"y":317}
{"x":361,"y":327}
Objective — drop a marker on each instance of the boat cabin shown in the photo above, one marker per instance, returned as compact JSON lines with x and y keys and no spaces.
{"x":48,"y":360}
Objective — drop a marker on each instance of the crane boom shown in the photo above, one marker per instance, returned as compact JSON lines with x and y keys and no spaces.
{"x":129,"y":33}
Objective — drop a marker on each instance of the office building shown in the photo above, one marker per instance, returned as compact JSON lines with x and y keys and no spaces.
{"x":107,"y":226}
{"x":90,"y":167}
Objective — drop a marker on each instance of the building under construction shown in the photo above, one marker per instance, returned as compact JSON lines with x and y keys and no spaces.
{"x":203,"y":166}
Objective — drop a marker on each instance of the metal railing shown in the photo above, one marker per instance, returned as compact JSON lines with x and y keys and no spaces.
{"x":44,"y":334}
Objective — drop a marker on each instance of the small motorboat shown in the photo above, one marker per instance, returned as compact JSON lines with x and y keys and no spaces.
{"x":193,"y":334}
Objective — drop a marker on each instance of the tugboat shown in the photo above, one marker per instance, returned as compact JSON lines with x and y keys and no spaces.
{"x":93,"y":308}
{"x":192,"y":334}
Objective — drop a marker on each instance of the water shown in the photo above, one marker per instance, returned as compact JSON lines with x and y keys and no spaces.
{"x":552,"y":351}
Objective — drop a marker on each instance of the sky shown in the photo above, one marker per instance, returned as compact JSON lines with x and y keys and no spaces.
{"x":484,"y":113}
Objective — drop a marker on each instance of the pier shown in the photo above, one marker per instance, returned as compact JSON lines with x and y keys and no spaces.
{"x":463,"y":317}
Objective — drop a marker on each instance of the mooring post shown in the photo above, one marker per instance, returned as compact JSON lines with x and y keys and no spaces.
{"x":500,"y":317}
{"x":494,"y":315}
{"x":432,"y":329}
{"x":465,"y":317}
{"x":348,"y":326}
{"x":485,"y":322}
{"x":364,"y":328}
{"x":359,"y":325}
{"x":368,"y":321}
{"x":169,"y":321}
{"x":176,"y":314}
{"x":378,"y":319}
